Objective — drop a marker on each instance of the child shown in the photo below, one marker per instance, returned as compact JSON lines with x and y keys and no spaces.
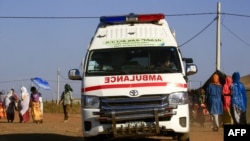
{"x":200,"y":114}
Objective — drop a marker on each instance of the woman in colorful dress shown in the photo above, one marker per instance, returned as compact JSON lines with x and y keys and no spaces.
{"x":24,"y":105}
{"x":2,"y":107}
{"x":10,"y":103}
{"x":214,"y":101}
{"x":239,"y":100}
{"x":227,"y":116}
{"x":35,"y":104}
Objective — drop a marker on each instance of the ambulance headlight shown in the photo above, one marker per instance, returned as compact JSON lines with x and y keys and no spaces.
{"x":178,"y":98}
{"x":90,"y":102}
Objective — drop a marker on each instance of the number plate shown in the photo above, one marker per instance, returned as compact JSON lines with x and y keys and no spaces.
{"x":133,"y":123}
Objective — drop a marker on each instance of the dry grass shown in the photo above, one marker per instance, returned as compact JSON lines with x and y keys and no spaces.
{"x":53,"y":107}
{"x":246,"y":81}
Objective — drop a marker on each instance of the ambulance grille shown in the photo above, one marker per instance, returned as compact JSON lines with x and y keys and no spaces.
{"x":135,"y":108}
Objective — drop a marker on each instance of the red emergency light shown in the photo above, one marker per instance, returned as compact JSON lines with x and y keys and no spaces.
{"x":132,"y":18}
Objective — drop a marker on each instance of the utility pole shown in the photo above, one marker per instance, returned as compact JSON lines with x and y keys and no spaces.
{"x":58,"y":76}
{"x":218,"y":38}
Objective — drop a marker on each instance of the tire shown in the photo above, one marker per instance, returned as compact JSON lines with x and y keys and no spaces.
{"x":89,"y":138}
{"x":183,"y":137}
{"x":95,"y":138}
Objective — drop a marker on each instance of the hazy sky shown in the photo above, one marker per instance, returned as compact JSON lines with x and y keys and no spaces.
{"x":37,"y":47}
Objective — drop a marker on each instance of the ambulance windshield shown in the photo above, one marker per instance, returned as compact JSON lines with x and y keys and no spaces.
{"x":139,"y":60}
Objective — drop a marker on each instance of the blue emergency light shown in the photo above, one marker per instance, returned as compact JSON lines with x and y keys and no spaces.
{"x":132,"y":18}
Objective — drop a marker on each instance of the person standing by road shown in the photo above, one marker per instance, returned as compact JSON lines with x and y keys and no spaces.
{"x":35,"y":104}
{"x":10,"y":103}
{"x":226,"y":93}
{"x":239,"y":100}
{"x":66,"y":100}
{"x":24,"y":115}
{"x":2,"y":106}
{"x":214,"y":101}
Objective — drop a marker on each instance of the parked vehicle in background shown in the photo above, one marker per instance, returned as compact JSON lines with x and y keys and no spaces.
{"x":126,"y":89}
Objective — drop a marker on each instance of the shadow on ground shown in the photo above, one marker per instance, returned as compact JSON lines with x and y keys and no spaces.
{"x":55,"y":137}
{"x":38,"y":137}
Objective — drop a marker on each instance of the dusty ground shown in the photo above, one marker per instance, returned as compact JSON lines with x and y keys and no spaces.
{"x":54,"y":129}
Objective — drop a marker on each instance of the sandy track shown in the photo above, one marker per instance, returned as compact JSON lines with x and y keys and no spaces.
{"x":55,"y":129}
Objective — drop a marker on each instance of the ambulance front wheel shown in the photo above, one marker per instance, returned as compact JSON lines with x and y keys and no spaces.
{"x":183,"y":137}
{"x":95,"y":138}
{"x":89,"y":138}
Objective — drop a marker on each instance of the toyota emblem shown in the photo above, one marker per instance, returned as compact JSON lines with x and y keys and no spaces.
{"x":133,"y":93}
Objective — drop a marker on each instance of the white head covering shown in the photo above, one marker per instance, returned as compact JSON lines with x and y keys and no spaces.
{"x":24,"y":91}
{"x":25,"y":99}
{"x":8,"y":99}
{"x":9,"y":94}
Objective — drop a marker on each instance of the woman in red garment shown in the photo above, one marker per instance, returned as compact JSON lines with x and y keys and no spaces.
{"x":227,"y":117}
{"x":24,"y":105}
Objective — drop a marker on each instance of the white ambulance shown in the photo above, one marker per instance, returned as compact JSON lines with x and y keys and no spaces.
{"x":128,"y":89}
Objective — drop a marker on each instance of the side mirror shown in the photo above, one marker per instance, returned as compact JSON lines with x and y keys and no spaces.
{"x":191,"y":69}
{"x":74,"y":74}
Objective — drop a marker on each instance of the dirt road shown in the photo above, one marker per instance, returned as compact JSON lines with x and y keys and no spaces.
{"x":54,"y":129}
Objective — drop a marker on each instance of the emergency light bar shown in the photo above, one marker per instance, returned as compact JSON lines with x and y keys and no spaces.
{"x":132,"y":18}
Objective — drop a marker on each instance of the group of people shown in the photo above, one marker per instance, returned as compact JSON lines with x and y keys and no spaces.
{"x":228,"y":101}
{"x":7,"y":105}
{"x":31,"y":104}
{"x":26,"y":104}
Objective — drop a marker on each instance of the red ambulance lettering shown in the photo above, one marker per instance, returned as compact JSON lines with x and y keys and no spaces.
{"x":146,"y":77}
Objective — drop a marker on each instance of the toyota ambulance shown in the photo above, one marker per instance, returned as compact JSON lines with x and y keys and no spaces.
{"x":126,"y":91}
